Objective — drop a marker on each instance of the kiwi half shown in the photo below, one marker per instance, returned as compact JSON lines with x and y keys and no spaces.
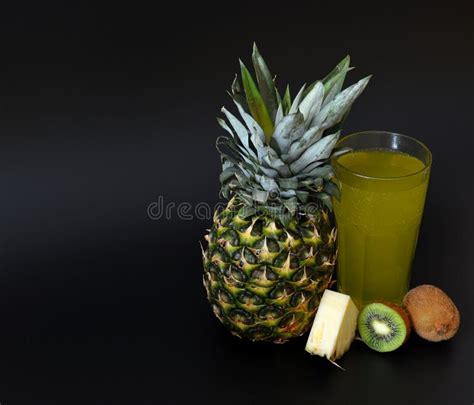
{"x":383,"y":327}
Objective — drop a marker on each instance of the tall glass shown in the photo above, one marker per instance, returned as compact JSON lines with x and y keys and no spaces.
{"x":383,"y":181}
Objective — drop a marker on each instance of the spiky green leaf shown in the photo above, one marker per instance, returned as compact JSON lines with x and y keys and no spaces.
{"x":260,"y":196}
{"x":326,"y":172}
{"x":291,"y":127}
{"x":305,"y":172}
{"x":341,"y":67}
{"x":297,"y":100}
{"x":265,"y":82}
{"x":286,"y":101}
{"x":333,"y":77}
{"x":318,"y":151}
{"x":334,"y":81}
{"x":312,"y":102}
{"x":340,"y":151}
{"x":325,"y":198}
{"x":277,"y":93}
{"x":255,"y":103}
{"x":279,"y":115}
{"x":302,"y":143}
{"x":302,"y":195}
{"x":237,"y":93}
{"x":246,"y":212}
{"x":240,"y":130}
{"x":267,"y":183}
{"x":333,"y":112}
{"x":257,"y":136}
{"x":272,"y":161}
{"x":290,"y":183}
{"x":331,"y":189}
{"x":291,"y":204}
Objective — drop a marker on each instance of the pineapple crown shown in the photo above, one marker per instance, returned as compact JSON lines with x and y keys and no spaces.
{"x":276,"y":160}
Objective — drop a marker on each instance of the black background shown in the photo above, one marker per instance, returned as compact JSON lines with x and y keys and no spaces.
{"x":104,"y":110}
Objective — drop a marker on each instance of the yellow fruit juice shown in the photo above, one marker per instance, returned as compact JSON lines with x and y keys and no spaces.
{"x":378,"y":217}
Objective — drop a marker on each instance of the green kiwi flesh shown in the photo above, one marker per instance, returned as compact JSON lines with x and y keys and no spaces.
{"x":382,"y":327}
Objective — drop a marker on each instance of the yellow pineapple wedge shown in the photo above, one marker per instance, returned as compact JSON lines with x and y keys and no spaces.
{"x":334,"y":326}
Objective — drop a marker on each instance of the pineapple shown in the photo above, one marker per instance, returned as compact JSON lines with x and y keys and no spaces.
{"x":334,"y":326}
{"x":271,"y":252}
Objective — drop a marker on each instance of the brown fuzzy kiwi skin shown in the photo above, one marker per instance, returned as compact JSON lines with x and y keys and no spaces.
{"x":433,"y":314}
{"x":403,"y":314}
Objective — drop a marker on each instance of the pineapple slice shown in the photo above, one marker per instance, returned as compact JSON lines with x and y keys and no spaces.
{"x":334,"y":326}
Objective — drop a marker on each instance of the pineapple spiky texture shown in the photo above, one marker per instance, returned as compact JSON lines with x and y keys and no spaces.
{"x":264,"y":280}
{"x":271,"y":251}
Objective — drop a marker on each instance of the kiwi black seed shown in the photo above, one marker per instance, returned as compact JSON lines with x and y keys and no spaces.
{"x":383,"y":327}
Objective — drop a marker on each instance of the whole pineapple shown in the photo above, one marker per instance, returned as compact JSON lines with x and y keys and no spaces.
{"x":271,"y":251}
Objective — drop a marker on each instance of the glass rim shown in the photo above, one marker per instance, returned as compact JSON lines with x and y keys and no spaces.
{"x":426,"y":166}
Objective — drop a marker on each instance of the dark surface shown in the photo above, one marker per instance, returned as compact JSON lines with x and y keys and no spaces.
{"x":103,"y":111}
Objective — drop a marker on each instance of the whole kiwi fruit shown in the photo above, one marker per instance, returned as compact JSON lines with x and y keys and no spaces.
{"x":432,"y":313}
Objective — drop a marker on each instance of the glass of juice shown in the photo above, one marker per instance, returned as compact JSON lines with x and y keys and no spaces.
{"x":383,"y":180}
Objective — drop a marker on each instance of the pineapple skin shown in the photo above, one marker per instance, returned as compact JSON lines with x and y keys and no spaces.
{"x":264,"y":281}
